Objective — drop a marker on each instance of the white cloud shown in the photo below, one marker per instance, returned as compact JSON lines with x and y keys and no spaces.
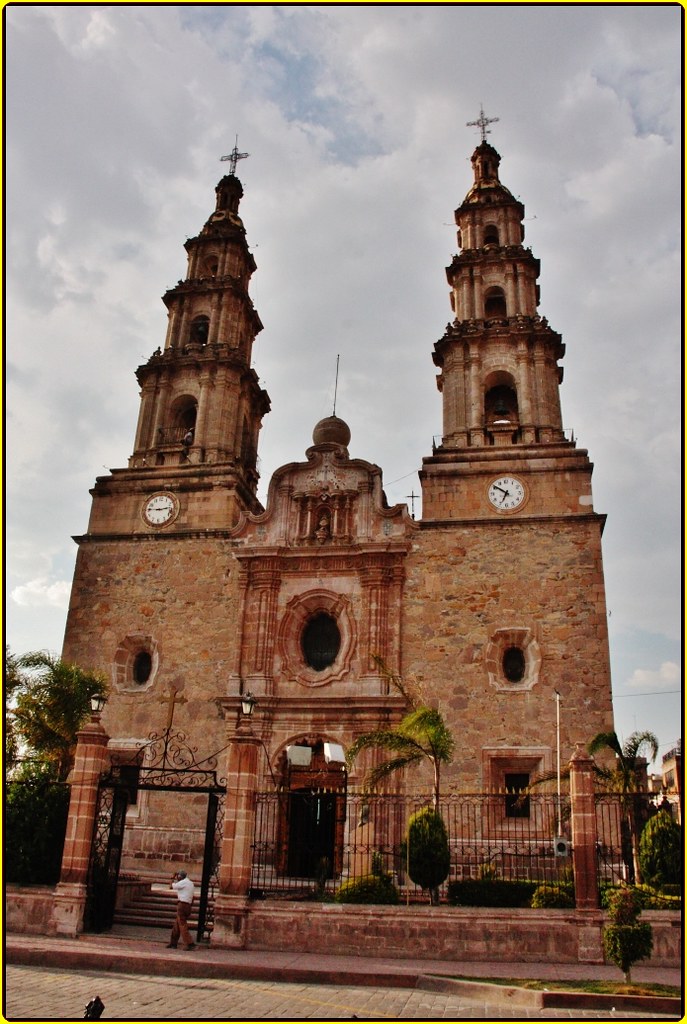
{"x":667,"y":677}
{"x":354,"y":117}
{"x":41,"y":592}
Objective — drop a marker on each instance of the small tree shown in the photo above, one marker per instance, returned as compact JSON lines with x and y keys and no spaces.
{"x":660,"y":851}
{"x":627,"y":939}
{"x":421,"y":735}
{"x":50,"y":702}
{"x":625,"y":778}
{"x":426,"y":851}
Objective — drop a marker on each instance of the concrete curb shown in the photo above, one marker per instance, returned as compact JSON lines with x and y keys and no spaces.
{"x":562,"y":999}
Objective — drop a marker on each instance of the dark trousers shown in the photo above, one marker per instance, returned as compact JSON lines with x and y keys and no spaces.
{"x":180,"y":926}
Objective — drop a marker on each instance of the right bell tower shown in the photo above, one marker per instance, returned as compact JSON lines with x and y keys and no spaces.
{"x":503,"y":450}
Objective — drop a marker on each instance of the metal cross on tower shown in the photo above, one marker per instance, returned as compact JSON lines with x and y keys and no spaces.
{"x":412,"y":497}
{"x":234,"y":157}
{"x":171,"y":699}
{"x":482,"y":123}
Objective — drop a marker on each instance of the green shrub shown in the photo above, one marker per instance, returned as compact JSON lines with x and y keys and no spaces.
{"x":486,"y":892}
{"x":660,"y":851}
{"x":624,"y":944}
{"x":429,"y":858}
{"x":553,"y":897}
{"x":626,"y":939}
{"x":649,"y":898}
{"x":368,"y":889}
{"x":35,"y":825}
{"x":672,"y":890}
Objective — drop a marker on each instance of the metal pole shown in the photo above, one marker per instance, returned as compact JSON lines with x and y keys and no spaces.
{"x":558,"y":760}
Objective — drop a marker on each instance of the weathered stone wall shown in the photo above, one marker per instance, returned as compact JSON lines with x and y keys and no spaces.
{"x":467,"y":582}
{"x":461,"y":933}
{"x":28,"y":909}
{"x":181,"y":593}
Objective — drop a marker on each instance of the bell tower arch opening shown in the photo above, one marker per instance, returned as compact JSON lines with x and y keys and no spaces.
{"x":494,"y":303}
{"x":200,"y":330}
{"x":500,"y":399}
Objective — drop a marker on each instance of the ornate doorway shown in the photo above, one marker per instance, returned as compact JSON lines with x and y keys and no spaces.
{"x":313,"y":816}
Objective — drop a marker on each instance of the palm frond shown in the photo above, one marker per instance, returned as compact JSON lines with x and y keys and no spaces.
{"x":387,"y":739}
{"x":377,"y":772}
{"x":605,"y":741}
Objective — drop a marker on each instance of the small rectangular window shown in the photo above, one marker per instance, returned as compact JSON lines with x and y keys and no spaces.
{"x":517,"y":803}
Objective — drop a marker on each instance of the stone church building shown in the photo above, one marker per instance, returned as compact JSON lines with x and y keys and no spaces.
{"x":188,"y":593}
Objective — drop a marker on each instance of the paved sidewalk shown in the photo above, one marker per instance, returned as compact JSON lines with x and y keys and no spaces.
{"x":144,"y":951}
{"x":49,"y":993}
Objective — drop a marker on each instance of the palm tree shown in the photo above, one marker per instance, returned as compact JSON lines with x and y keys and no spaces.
{"x":625,"y":778}
{"x":51,"y":701}
{"x":421,"y":735}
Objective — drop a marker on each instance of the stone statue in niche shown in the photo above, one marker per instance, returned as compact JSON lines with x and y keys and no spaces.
{"x":323,"y":531}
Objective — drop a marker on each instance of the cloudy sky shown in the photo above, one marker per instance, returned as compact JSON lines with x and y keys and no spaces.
{"x":355,"y":121}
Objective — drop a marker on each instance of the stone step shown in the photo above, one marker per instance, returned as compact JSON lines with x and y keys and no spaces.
{"x":154,"y":908}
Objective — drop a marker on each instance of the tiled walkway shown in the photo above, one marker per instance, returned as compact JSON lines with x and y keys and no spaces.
{"x":43,"y":993}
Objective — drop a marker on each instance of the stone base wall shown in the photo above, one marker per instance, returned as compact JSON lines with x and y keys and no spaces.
{"x":446,"y":933}
{"x":28,"y":909}
{"x":417,"y":933}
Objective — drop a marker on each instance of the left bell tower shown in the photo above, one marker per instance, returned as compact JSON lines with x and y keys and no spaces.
{"x":194,"y":463}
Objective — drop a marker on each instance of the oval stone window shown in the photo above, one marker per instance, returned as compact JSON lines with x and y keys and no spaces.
{"x":514,"y":664}
{"x":143,"y":666}
{"x":320,"y":642}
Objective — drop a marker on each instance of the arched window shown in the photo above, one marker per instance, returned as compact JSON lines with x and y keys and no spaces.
{"x":200,"y":328}
{"x":494,"y":303}
{"x":142,"y":667}
{"x":210,"y":266}
{"x":320,"y":641}
{"x":491,"y":235}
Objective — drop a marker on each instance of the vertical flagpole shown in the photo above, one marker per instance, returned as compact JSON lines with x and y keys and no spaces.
{"x":336,"y":384}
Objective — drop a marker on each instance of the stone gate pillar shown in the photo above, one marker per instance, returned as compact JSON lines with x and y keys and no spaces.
{"x":231,"y":904}
{"x":70,"y":893}
{"x":583,"y":826}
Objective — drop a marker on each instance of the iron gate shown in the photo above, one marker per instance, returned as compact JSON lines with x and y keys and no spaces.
{"x":164,"y":764}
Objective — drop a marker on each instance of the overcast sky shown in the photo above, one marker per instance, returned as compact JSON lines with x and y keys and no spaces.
{"x":355,"y":121}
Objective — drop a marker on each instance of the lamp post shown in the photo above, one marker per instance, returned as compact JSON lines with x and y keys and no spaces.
{"x":248,"y":702}
{"x":98,"y":702}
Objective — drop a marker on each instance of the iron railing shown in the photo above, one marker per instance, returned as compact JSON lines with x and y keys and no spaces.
{"x":310,"y":842}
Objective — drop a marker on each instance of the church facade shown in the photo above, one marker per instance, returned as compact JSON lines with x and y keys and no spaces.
{"x":189,"y":594}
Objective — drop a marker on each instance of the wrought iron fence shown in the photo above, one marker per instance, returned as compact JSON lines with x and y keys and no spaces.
{"x":309,"y":843}
{"x":620,"y":819}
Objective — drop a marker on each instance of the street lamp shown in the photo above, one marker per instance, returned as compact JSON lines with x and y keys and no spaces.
{"x":98,"y":701}
{"x":248,"y":702}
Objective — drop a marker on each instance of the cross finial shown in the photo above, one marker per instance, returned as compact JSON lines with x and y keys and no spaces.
{"x":412,"y":497}
{"x":171,"y":699}
{"x":234,"y":157}
{"x":482,"y":123}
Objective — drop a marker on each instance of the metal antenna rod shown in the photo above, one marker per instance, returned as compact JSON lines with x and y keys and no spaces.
{"x":336,"y":385}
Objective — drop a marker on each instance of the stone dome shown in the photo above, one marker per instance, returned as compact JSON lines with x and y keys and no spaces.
{"x":331,"y":430}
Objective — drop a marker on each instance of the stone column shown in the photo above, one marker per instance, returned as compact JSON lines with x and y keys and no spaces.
{"x":70,"y":893}
{"x":583,"y":826}
{"x":231,"y":905}
{"x":590,"y":918}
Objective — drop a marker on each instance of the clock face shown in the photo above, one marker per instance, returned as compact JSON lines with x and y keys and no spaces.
{"x":160,"y":509}
{"x":506,"y":494}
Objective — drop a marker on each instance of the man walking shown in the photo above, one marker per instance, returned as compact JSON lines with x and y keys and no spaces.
{"x":184,"y":888}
